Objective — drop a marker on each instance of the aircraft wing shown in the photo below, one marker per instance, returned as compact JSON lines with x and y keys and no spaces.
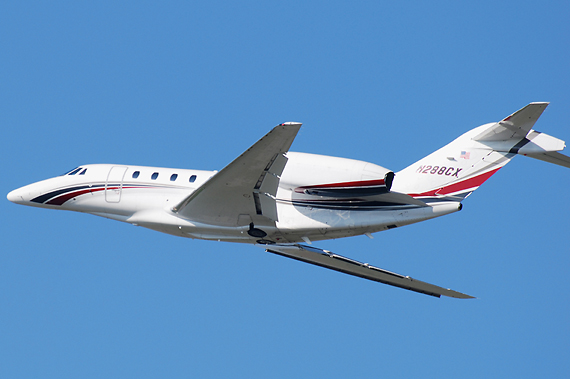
{"x":245,"y":187}
{"x":325,"y":258}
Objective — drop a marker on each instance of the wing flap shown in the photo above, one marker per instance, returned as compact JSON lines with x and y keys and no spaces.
{"x":270,"y":184}
{"x":265,"y":205}
{"x":325,"y":258}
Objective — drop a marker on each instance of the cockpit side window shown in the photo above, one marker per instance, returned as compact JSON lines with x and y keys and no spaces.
{"x":83,"y":172}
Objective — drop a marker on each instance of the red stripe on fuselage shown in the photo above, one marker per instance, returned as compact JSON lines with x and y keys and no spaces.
{"x":60,"y":200}
{"x":355,"y":184}
{"x":63,"y":198}
{"x":475,"y":181}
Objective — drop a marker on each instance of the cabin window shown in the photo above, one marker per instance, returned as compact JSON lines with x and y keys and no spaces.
{"x":192,"y":178}
{"x":136,"y":174}
{"x":154,"y":176}
{"x":83,"y":172}
{"x":173,"y":177}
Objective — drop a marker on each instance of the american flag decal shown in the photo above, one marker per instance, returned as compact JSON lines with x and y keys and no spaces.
{"x":465,"y":155}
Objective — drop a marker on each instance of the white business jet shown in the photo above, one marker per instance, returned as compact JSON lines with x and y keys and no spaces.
{"x":284,"y":200}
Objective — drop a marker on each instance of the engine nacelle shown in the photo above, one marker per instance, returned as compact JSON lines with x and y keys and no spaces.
{"x":321,"y":175}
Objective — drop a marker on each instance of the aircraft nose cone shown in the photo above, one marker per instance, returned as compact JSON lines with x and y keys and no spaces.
{"x":15,"y":196}
{"x":21,"y":195}
{"x":25,"y":195}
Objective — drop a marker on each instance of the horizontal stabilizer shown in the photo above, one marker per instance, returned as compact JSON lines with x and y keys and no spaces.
{"x":325,"y":258}
{"x":516,"y":126}
{"x":552,"y":157}
{"x":514,"y":135}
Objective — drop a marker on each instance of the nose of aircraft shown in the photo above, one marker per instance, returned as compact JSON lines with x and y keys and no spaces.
{"x":16,"y":196}
{"x":24,"y":194}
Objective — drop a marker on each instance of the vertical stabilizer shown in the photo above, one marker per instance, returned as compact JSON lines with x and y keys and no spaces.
{"x":456,"y":170}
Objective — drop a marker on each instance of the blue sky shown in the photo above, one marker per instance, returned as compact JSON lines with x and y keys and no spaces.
{"x":179,"y":84}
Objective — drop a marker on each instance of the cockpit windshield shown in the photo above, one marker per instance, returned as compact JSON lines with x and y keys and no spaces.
{"x":75,"y":171}
{"x":70,"y":171}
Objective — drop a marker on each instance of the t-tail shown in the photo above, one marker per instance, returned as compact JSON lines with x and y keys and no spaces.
{"x":456,"y":170}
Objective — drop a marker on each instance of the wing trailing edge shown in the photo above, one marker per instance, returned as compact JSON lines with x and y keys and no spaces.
{"x":327,"y":259}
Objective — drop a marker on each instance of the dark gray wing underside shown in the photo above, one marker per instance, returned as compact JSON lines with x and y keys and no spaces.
{"x":325,"y":258}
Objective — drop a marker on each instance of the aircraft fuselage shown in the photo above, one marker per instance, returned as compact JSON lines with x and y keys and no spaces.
{"x":145,"y":196}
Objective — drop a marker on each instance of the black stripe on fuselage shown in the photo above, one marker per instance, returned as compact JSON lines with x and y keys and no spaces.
{"x":46,"y":196}
{"x":515,"y":149}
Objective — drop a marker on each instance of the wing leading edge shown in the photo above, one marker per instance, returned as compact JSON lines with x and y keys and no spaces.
{"x":325,"y":258}
{"x":245,"y":187}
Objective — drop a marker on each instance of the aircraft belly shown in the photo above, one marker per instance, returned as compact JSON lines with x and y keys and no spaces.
{"x":316,"y":224}
{"x":321,"y":224}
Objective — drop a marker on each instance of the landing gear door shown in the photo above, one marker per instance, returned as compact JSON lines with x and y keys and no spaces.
{"x":114,"y":184}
